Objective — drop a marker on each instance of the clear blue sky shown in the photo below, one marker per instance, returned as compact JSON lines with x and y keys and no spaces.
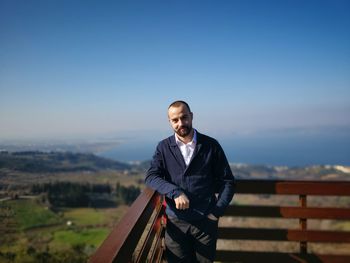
{"x":77,"y":68}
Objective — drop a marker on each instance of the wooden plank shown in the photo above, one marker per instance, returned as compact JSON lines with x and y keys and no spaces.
{"x":284,"y":235}
{"x":158,"y":251}
{"x":336,"y":188}
{"x":121,"y":242}
{"x":288,"y":212}
{"x":156,"y":227}
{"x":254,"y":256}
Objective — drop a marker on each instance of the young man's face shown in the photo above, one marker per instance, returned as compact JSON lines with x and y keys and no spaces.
{"x":180,"y":119}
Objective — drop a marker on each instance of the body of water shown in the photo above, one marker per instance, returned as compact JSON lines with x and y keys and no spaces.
{"x":268,"y":150}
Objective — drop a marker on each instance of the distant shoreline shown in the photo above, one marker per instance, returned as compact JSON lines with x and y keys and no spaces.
{"x":265,"y":156}
{"x":291,"y":151}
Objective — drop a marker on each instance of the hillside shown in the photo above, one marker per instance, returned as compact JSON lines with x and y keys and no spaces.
{"x":48,"y":162}
{"x":21,"y":169}
{"x":62,"y":205}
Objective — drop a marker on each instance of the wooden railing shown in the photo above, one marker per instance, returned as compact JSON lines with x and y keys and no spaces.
{"x":302,"y":212}
{"x":139,"y":235}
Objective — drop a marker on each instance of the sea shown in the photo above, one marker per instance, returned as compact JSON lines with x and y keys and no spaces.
{"x":291,"y":151}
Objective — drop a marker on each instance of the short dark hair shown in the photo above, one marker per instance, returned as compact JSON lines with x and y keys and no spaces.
{"x":177,"y":103}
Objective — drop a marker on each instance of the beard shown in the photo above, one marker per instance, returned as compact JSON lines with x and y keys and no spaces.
{"x":183,"y":131}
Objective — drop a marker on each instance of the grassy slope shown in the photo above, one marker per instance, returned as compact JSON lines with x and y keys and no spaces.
{"x":85,"y":216}
{"x":92,"y":216}
{"x":39,"y":227}
{"x":29,"y":214}
{"x":63,"y":239}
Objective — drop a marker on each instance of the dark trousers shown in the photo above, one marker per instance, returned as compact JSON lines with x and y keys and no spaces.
{"x":191,"y":242}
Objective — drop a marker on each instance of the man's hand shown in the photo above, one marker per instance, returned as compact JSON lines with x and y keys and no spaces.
{"x":182,"y":202}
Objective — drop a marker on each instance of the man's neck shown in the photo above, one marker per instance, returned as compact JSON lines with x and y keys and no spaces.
{"x":187,"y":138}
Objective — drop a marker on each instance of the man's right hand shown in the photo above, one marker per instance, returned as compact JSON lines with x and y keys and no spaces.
{"x":182,"y":202}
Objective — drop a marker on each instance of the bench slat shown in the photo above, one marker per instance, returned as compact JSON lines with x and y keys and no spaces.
{"x":155,"y":229}
{"x":288,"y":212}
{"x":293,"y":187}
{"x":284,"y":235}
{"x":253,"y":257}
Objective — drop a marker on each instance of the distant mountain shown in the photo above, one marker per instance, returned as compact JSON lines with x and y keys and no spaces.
{"x":73,"y":146}
{"x":46,"y":162}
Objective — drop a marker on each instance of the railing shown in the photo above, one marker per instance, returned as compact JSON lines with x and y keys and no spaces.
{"x":139,"y":235}
{"x":302,"y":212}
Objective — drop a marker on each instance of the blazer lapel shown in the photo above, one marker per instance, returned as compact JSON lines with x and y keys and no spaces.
{"x":198,"y":146}
{"x":177,"y":153}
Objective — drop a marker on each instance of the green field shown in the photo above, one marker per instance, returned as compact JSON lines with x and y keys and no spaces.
{"x":344,"y":226}
{"x":29,"y":214}
{"x":39,"y":229}
{"x":91,"y":237}
{"x":85,"y":216}
{"x":93,"y":216}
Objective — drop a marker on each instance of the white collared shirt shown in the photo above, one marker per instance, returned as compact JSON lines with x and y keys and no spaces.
{"x":187,"y":149}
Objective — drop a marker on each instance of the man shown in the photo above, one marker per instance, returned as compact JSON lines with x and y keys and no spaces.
{"x":190,"y":169}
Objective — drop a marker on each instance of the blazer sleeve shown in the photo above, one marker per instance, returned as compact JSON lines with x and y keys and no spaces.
{"x":156,"y":174}
{"x":225,"y":182}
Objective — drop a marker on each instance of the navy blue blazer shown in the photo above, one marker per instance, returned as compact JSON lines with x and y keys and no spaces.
{"x":207,"y":174}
